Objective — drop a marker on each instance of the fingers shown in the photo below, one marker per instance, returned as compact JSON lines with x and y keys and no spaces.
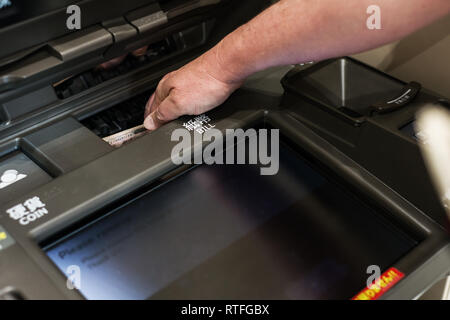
{"x":116,"y":61}
{"x":165,"y":112}
{"x":154,"y":101}
{"x":162,"y":91}
{"x":148,"y":107}
{"x":112,"y":63}
{"x":140,"y":52}
{"x":152,"y":123}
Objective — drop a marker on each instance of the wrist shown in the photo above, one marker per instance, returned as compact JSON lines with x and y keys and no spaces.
{"x":222,"y":63}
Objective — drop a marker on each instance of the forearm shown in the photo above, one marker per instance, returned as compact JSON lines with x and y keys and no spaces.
{"x":291,"y":31}
{"x":294,"y":31}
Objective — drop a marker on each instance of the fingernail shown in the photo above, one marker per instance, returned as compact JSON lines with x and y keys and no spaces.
{"x":149,"y":124}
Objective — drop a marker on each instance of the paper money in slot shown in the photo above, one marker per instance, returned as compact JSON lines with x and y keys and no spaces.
{"x":118,"y":139}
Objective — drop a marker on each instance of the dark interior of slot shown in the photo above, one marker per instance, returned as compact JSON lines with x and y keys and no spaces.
{"x":125,"y":115}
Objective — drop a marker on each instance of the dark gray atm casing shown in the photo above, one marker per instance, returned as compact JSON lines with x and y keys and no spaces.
{"x":51,"y":129}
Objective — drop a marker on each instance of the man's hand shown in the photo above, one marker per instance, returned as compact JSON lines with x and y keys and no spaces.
{"x":288,"y":32}
{"x":194,"y":89}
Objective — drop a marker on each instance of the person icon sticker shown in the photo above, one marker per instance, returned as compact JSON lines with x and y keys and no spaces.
{"x":9,"y":177}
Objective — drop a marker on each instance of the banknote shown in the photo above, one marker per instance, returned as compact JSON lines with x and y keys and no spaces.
{"x":118,"y":139}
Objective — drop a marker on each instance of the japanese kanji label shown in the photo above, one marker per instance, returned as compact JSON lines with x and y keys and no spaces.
{"x":28,"y":211}
{"x":200,"y":124}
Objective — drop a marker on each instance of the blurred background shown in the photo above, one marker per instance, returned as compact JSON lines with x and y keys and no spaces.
{"x":423,"y":57}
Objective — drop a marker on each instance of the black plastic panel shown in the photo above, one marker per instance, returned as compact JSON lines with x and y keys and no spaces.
{"x":28,"y":103}
{"x":64,"y":146}
{"x":316,"y":97}
{"x":35,"y":31}
{"x":343,"y":87}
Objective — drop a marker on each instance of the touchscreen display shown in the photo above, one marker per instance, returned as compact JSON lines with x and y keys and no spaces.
{"x":226,"y":232}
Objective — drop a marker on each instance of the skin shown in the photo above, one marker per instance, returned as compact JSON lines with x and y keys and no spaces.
{"x":116,"y":61}
{"x":289,"y":32}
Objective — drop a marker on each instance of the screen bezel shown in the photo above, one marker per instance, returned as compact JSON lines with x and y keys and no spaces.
{"x":319,"y":167}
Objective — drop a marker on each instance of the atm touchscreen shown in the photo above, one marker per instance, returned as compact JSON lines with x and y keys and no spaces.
{"x":227,"y":232}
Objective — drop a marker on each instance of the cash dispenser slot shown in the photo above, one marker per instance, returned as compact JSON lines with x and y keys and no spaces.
{"x":122,"y":116}
{"x":130,"y":113}
{"x":119,"y":119}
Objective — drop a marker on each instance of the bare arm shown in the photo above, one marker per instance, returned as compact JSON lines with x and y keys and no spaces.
{"x":291,"y":31}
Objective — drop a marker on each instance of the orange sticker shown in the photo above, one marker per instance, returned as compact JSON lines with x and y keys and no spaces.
{"x":386,"y":281}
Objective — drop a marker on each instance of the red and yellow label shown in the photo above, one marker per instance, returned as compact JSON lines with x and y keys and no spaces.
{"x":386,"y":281}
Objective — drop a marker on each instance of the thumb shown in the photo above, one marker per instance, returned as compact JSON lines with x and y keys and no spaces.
{"x":150,"y":106}
{"x":166,"y":111}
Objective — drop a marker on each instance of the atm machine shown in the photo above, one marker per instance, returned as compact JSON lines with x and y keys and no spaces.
{"x":80,"y":219}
